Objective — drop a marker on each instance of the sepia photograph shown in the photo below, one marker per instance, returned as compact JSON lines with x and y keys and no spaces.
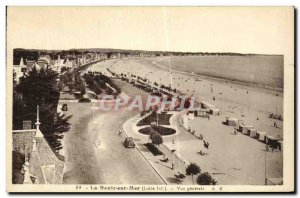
{"x":150,"y":99}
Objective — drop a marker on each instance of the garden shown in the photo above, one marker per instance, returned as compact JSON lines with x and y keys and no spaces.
{"x":159,"y":129}
{"x":160,"y":118}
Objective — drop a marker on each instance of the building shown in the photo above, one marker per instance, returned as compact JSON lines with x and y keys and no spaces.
{"x":68,"y":63}
{"x":41,"y":164}
{"x":41,"y":63}
{"x":58,"y":64}
{"x":45,"y":58}
{"x":20,"y":69}
{"x":29,"y":64}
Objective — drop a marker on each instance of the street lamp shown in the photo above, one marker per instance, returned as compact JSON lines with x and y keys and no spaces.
{"x":173,"y":151}
{"x":266,"y":163}
{"x":93,"y":109}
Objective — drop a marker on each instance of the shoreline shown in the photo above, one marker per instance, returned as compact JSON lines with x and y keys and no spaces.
{"x":227,"y":94}
{"x":220,"y":79}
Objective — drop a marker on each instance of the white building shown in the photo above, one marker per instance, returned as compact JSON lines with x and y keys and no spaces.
{"x":19,"y":69}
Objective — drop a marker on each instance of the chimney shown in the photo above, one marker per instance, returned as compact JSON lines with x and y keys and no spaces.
{"x":27,"y":124}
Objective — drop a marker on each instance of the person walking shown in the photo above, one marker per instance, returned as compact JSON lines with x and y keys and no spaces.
{"x":235,"y":132}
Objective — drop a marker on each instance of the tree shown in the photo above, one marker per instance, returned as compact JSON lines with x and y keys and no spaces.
{"x":18,"y":107}
{"x":151,"y":134}
{"x":205,"y":179}
{"x":143,"y":113}
{"x":157,"y":139}
{"x":39,"y":87}
{"x":192,"y":169}
{"x":79,"y":84}
{"x":61,"y":125}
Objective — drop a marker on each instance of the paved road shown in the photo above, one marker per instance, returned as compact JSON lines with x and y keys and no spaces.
{"x":94,"y":150}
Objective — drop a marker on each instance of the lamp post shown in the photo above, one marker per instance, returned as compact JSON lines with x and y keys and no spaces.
{"x":173,"y":151}
{"x":93,"y":109}
{"x":266,"y":163}
{"x":173,"y":166}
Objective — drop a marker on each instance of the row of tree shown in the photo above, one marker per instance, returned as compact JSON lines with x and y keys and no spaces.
{"x":203,"y":178}
{"x":97,"y":82}
{"x":192,"y":169}
{"x":73,"y":81}
{"x":40,"y":87}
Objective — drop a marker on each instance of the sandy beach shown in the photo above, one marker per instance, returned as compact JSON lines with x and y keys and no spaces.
{"x":250,"y":104}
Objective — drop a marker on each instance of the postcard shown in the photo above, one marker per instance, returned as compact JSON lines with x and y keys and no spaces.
{"x":150,"y":99}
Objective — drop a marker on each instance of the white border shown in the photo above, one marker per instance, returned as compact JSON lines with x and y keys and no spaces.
{"x":3,"y":4}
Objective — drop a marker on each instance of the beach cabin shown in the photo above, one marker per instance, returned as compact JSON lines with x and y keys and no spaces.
{"x":201,"y":113}
{"x":261,"y":136}
{"x":206,"y":105}
{"x":245,"y":129}
{"x":273,"y":141}
{"x":252,"y":132}
{"x":231,"y":121}
{"x":214,"y":111}
{"x":191,"y":115}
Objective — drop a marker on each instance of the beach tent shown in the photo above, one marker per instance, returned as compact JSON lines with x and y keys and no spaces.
{"x":231,"y":121}
{"x":214,"y":111}
{"x":261,"y":136}
{"x":252,"y":132}
{"x":245,"y":129}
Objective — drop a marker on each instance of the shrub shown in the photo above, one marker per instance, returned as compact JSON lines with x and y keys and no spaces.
{"x":153,"y":149}
{"x":158,"y":129}
{"x":151,"y":134}
{"x":162,"y":119}
{"x":157,"y":139}
{"x":205,"y":179}
{"x":192,"y":169}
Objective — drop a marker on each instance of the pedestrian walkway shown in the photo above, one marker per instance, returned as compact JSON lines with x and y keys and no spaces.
{"x":164,"y":169}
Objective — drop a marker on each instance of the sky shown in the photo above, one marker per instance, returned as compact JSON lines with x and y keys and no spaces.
{"x":267,"y":30}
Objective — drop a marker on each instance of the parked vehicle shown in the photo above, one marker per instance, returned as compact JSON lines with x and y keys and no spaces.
{"x":129,"y":143}
{"x":84,"y":100}
{"x":64,"y":107}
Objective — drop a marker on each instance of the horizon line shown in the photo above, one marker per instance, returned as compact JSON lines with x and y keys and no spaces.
{"x":95,"y":48}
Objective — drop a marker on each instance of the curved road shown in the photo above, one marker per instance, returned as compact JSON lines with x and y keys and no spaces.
{"x":94,"y":150}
